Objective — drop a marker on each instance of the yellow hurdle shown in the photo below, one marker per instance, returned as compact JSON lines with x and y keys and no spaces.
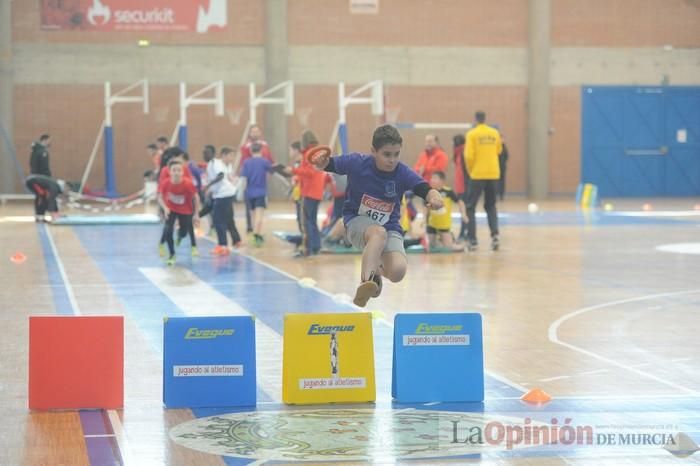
{"x":328,"y":358}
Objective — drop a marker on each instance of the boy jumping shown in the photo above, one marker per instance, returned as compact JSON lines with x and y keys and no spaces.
{"x":376,"y":184}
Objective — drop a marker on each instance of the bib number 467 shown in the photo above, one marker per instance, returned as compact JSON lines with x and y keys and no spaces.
{"x":376,"y":216}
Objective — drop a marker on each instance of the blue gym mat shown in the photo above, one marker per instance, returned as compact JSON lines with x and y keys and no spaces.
{"x":126,"y":219}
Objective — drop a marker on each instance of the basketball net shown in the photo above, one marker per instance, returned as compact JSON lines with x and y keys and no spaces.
{"x":234,"y":115}
{"x":303,"y":115}
{"x":392,"y":114}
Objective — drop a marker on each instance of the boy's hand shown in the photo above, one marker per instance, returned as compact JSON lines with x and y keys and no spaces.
{"x":434,"y":200}
{"x":166,"y":212}
{"x":319,"y":157}
{"x":195,"y":221}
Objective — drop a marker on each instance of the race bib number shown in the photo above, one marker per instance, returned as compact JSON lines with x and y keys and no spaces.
{"x":177,"y":199}
{"x":376,"y":209}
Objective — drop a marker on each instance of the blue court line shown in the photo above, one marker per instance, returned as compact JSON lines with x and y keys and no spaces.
{"x":62,"y":304}
{"x":100,"y":450}
{"x":586,"y":218}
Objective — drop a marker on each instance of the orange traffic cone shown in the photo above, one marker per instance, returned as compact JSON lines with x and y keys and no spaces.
{"x":18,"y":258}
{"x":536,"y":396}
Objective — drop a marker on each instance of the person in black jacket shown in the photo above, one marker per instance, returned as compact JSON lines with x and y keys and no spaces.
{"x":45,"y":190}
{"x":39,"y":160}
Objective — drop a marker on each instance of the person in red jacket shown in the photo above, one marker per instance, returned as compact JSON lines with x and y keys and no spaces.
{"x":432,"y":159}
{"x":312,"y":181}
{"x":179,"y":201}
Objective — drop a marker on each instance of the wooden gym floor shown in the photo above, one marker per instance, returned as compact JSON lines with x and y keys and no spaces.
{"x":599,"y":309}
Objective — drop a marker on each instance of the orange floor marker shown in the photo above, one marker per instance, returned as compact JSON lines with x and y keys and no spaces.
{"x":536,"y":396}
{"x":18,"y":258}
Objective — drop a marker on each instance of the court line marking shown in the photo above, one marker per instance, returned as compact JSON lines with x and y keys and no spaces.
{"x":645,"y":364}
{"x":498,"y":377}
{"x":561,"y":377}
{"x":117,"y":428}
{"x":552,"y":379}
{"x":148,"y":285}
{"x":62,"y":272}
{"x":672,"y":396}
{"x":554,"y":338}
{"x":120,"y":435}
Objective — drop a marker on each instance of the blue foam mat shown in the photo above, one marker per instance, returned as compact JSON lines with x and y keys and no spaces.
{"x":126,"y":219}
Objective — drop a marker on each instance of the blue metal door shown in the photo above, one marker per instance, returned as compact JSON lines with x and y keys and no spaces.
{"x":683,"y":140}
{"x":641,"y":141}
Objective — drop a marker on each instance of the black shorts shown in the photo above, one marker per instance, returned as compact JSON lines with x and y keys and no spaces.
{"x":433,"y":231}
{"x":257,"y":202}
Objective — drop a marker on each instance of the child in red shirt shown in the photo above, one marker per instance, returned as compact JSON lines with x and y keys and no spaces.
{"x":313,"y":182}
{"x":178,"y":199}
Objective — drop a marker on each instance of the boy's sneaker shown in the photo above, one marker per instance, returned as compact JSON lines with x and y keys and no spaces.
{"x":171,"y":261}
{"x":161,"y":250}
{"x":365,"y":291}
{"x":472,"y":246}
{"x":495,"y":244}
{"x":195,"y":251}
{"x":220,"y":251}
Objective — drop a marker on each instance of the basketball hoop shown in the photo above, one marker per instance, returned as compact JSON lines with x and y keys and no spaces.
{"x":161,"y":114}
{"x":234,"y":115}
{"x":303,"y":115}
{"x":392,"y":114}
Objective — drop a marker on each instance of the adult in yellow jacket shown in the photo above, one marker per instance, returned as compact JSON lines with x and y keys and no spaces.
{"x":481,"y":159}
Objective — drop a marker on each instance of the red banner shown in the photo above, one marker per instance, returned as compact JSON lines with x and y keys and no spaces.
{"x":200,"y":16}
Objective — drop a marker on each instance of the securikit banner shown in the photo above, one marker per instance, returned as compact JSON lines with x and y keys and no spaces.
{"x":199,"y":16}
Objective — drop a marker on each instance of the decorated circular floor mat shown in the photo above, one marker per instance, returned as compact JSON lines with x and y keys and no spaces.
{"x":346,"y":434}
